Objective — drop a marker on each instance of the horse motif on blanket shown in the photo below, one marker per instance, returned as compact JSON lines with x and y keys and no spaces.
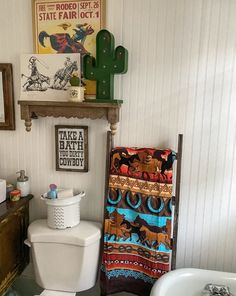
{"x":111,"y":229}
{"x":118,"y":228}
{"x":143,"y":163}
{"x":155,"y":238}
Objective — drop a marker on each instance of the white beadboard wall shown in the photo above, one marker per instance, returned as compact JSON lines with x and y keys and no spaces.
{"x":181,"y":79}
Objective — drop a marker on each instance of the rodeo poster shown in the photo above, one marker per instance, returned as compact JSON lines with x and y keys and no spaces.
{"x":68,"y":27}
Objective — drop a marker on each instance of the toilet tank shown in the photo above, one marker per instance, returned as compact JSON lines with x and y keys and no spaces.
{"x":65,"y":260}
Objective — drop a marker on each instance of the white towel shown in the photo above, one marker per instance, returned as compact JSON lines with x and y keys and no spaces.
{"x":64,"y":193}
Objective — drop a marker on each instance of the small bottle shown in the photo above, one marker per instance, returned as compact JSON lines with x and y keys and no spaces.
{"x":23,"y":183}
{"x":52,"y":193}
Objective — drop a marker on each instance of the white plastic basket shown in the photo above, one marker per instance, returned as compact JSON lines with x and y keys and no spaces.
{"x":63,"y":213}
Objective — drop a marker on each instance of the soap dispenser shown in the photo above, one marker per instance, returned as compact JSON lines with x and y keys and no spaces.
{"x":23,"y":183}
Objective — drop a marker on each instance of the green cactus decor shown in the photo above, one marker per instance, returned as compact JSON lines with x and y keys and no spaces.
{"x":109,"y":61}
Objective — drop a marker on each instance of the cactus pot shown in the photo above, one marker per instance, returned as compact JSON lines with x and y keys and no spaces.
{"x":76,"y":93}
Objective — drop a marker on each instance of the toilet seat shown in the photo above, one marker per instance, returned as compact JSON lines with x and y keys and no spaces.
{"x":55,"y":293}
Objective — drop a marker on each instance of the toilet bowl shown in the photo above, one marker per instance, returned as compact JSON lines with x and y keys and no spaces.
{"x":65,"y":261}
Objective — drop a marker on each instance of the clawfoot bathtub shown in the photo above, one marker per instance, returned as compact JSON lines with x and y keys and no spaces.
{"x":191,"y":282}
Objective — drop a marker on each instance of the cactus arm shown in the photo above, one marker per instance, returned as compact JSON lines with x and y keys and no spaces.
{"x":90,"y":70}
{"x":120,"y":64}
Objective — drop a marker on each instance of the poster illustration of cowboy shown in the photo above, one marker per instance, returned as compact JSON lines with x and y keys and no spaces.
{"x":46,"y":76}
{"x":68,"y":26}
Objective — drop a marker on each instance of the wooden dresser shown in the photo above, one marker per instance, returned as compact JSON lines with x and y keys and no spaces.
{"x":14,"y":255}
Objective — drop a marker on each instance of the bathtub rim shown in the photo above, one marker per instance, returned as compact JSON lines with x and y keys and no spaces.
{"x":161,"y":284}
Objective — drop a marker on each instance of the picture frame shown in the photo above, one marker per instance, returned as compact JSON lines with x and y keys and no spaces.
{"x":7,"y":110}
{"x":68,"y":26}
{"x":71,"y":144}
{"x":46,"y":77}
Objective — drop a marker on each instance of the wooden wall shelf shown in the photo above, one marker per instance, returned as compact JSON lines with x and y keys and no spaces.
{"x":88,"y":109}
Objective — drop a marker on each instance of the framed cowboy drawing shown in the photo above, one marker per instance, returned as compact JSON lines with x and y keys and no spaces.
{"x":46,"y":77}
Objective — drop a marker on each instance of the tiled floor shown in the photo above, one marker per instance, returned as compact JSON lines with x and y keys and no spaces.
{"x":27,"y":287}
{"x":24,"y":286}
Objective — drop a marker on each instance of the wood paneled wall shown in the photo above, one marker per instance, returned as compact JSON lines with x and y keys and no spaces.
{"x":181,"y":79}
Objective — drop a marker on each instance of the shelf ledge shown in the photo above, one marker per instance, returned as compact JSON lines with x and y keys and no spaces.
{"x":87,"y":109}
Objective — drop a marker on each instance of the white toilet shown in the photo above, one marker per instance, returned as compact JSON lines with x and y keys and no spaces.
{"x":65,"y":261}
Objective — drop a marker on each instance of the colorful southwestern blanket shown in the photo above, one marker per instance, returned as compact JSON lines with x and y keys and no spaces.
{"x":137,"y":222}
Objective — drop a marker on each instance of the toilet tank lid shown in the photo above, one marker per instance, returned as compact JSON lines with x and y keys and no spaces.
{"x":84,"y":234}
